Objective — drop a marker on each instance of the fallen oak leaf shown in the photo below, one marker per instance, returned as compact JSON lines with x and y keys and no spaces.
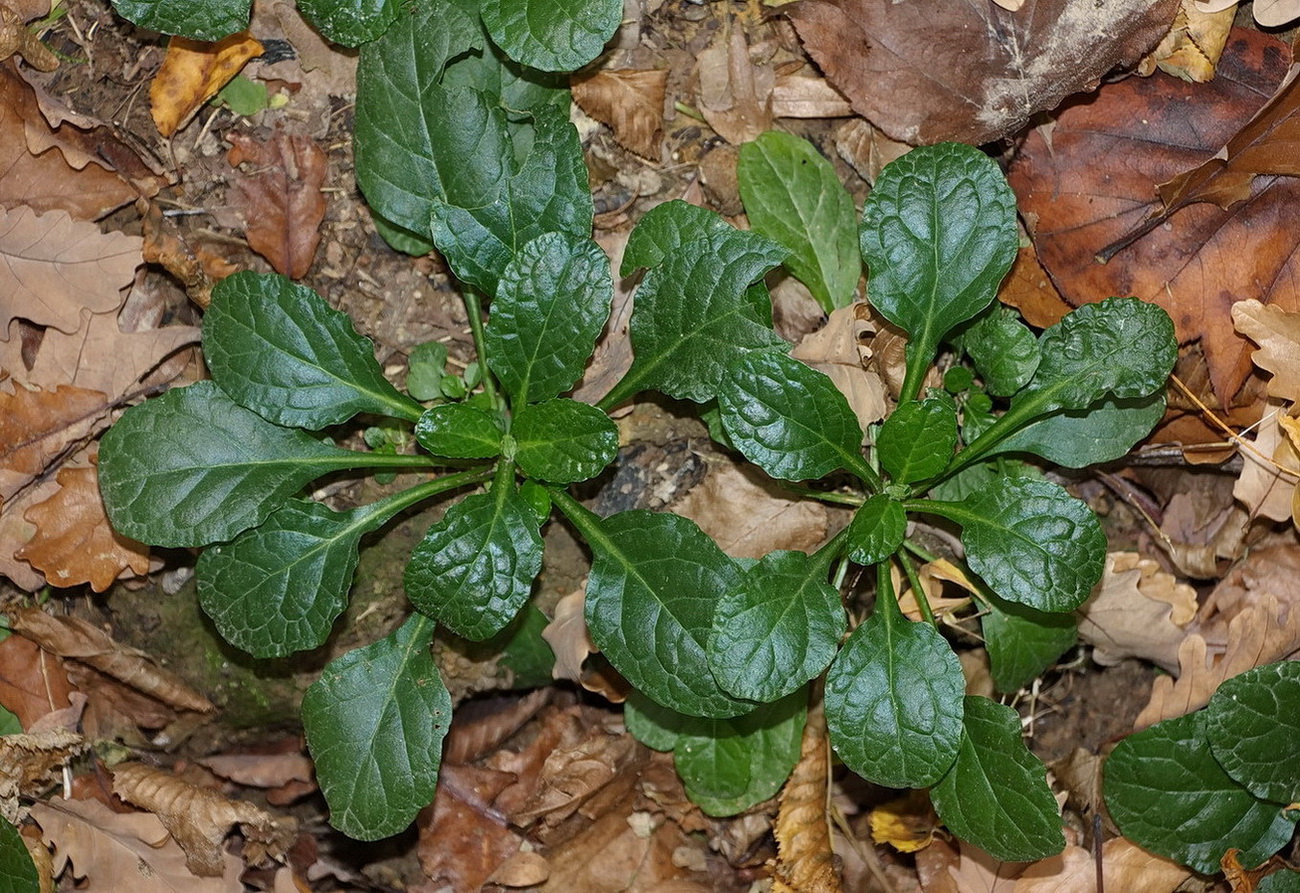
{"x":191,"y":73}
{"x":40,"y":426}
{"x":1137,"y":610}
{"x":281,"y":199}
{"x":630,"y":101}
{"x":1277,"y":332}
{"x":78,"y":639}
{"x":1193,"y":45}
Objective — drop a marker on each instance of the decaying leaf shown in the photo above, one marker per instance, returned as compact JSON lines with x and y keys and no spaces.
{"x":1095,"y":182}
{"x":83,"y":641}
{"x":804,"y":96}
{"x":630,"y":102}
{"x":568,"y":637}
{"x":1251,"y":618}
{"x":29,"y":760}
{"x":748,"y":515}
{"x":1193,"y":45}
{"x":840,"y":350}
{"x":866,"y":149}
{"x":1137,"y":610}
{"x":931,"y":70}
{"x":15,"y":39}
{"x":463,"y":839}
{"x":74,"y":543}
{"x":805,"y":862}
{"x":1277,"y":332}
{"x":192,"y":72}
{"x":735,"y":94}
{"x":40,"y":427}
{"x":52,"y":267}
{"x":1270,"y":470}
{"x":571,"y":776}
{"x":124,"y":851}
{"x":281,"y":197}
{"x":1029,"y":289}
{"x":261,"y":770}
{"x":33,"y":683}
{"x":1126,"y":867}
{"x":200,"y":819}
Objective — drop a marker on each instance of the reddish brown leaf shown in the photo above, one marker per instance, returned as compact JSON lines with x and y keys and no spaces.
{"x":1093,"y":182}
{"x":192,"y":72}
{"x":39,"y":426}
{"x":32,"y":682}
{"x":74,"y":543}
{"x":931,"y":70}
{"x":631,"y":102}
{"x":281,"y":198}
{"x":463,"y":840}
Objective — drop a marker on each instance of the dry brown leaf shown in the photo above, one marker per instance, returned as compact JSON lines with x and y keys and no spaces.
{"x":1137,"y":610}
{"x":261,"y":770}
{"x":327,"y":62}
{"x":978,"y":872}
{"x":523,"y":869}
{"x":281,"y":198}
{"x":805,"y":862}
{"x":192,"y":72}
{"x":83,"y":641}
{"x":1277,"y":332}
{"x":15,"y":39}
{"x":52,"y":267}
{"x":931,"y":70}
{"x":803,"y":96}
{"x":124,"y":851}
{"x":15,"y":531}
{"x":1029,"y":289}
{"x":33,"y":683}
{"x":1193,"y":45}
{"x":47,"y":181}
{"x":866,"y":149}
{"x":630,"y":102}
{"x":1124,"y":865}
{"x":1264,"y":488}
{"x":620,"y":853}
{"x":462,"y":838}
{"x":194,"y":265}
{"x":735,"y":94}
{"x":613,"y":355}
{"x":571,"y":776}
{"x":74,"y":542}
{"x":1251,"y":618}
{"x":933,"y":574}
{"x":28,"y":762}
{"x":567,"y":635}
{"x":840,"y":350}
{"x":200,"y":819}
{"x":40,"y":426}
{"x":749,"y":516}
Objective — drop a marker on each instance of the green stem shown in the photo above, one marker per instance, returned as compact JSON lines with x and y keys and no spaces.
{"x":581,"y":517}
{"x":381,"y":512}
{"x":823,"y":495}
{"x":359,"y":459}
{"x":825,"y":556}
{"x":627,"y":387}
{"x":886,"y":598}
{"x":474,"y":308}
{"x":858,"y":465}
{"x":920,"y":551}
{"x":914,"y":579}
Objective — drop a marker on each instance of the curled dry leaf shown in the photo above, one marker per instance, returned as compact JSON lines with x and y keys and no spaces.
{"x":124,"y":851}
{"x":28,"y":762}
{"x":192,"y":72}
{"x":1251,"y":618}
{"x":1137,"y":610}
{"x":74,"y":543}
{"x":76,"y":638}
{"x":930,"y":70}
{"x":15,"y":39}
{"x":281,"y":198}
{"x":840,"y":350}
{"x":1193,"y":45}
{"x":261,"y":770}
{"x":199,"y":819}
{"x":748,"y":515}
{"x":630,"y":102}
{"x":1277,"y":332}
{"x":1270,"y":469}
{"x":568,"y":637}
{"x":805,"y":862}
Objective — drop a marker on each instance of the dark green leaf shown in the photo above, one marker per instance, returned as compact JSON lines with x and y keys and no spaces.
{"x":654,"y":725}
{"x":553,"y":35}
{"x":729,"y":765}
{"x":538,"y":499}
{"x":983,"y":474}
{"x":9,"y":722}
{"x":1284,"y":881}
{"x":1079,"y":438}
{"x":399,"y":238}
{"x":192,"y":467}
{"x":426,"y":367}
{"x":1168,"y":794}
{"x":210,"y":20}
{"x":375,"y":721}
{"x":917,"y":440}
{"x":1032,"y":542}
{"x":520,"y":90}
{"x":996,"y":794}
{"x":351,"y":22}
{"x":693,"y":318}
{"x":788,"y":418}
{"x":665,"y":228}
{"x":894,"y":702}
{"x":793,"y":196}
{"x":562,"y":440}
{"x":1121,"y":347}
{"x":938,"y":234}
{"x":877,"y":530}
{"x":523,"y":650}
{"x":550,"y":308}
{"x":17,"y":870}
{"x":1022,"y":642}
{"x":1003,"y":349}
{"x":651,"y":596}
{"x":475,"y":568}
{"x":779,"y":629}
{"x":399,"y":112}
{"x":460,"y":431}
{"x":496,"y":205}
{"x":278,"y":349}
{"x":1253,"y":723}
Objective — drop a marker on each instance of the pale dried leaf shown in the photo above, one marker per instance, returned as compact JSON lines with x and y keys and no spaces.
{"x":866,"y":149}
{"x":1264,"y":488}
{"x":735,"y":94}
{"x":1137,"y":610}
{"x":805,"y":861}
{"x":618,"y":853}
{"x":613,"y":355}
{"x":1209,"y":6}
{"x":124,"y":851}
{"x":523,"y":869}
{"x":28,"y":763}
{"x":79,"y":639}
{"x":52,"y":267}
{"x":748,"y":515}
{"x":327,"y":61}
{"x":801,"y":96}
{"x":630,"y":102}
{"x":978,"y":872}
{"x":840,"y":350}
{"x":40,"y":428}
{"x":1193,"y":45}
{"x":1276,"y":13}
{"x":280,"y":197}
{"x":1277,"y":332}
{"x":191,"y":73}
{"x":199,"y":819}
{"x":261,"y":770}
{"x":1125,"y":867}
{"x":567,"y":635}
{"x":74,"y":542}
{"x":933,"y":575}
